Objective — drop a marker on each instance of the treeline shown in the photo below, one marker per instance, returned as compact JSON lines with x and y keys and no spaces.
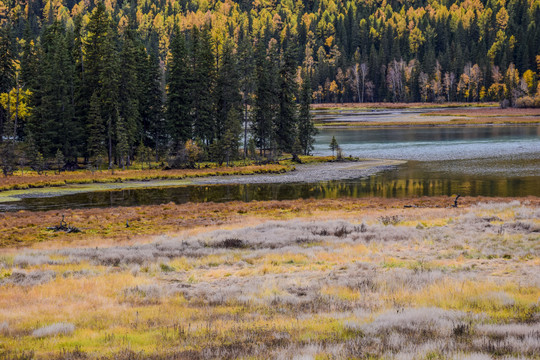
{"x":402,"y":45}
{"x":109,"y":80}
{"x":96,"y":92}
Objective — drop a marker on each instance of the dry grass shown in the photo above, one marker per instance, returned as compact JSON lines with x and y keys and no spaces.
{"x":106,"y":226}
{"x":323,"y":281}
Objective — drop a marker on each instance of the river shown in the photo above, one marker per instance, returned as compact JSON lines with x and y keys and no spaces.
{"x":479,"y":160}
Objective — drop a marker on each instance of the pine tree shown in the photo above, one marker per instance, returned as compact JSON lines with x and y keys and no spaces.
{"x":266,"y":96}
{"x":247,"y":83}
{"x":306,"y":128}
{"x":228,"y":97}
{"x":178,"y":92}
{"x":109,"y":92}
{"x":151,"y":107}
{"x":334,"y":145}
{"x":52,"y":123}
{"x":122,"y":141}
{"x":231,"y":137}
{"x":285,"y":121}
{"x":96,"y":129}
{"x":129,"y":87}
{"x":59,"y":160}
{"x":203,"y":85}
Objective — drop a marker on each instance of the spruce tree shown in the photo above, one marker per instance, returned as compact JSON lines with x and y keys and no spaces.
{"x":202,"y":89}
{"x":266,"y":96}
{"x":96,"y":129}
{"x":334,"y":145}
{"x":52,"y":123}
{"x":122,"y":141}
{"x":129,"y":88}
{"x":246,"y":80}
{"x":227,"y":90}
{"x":178,"y":92}
{"x":151,"y":107}
{"x":285,"y":122}
{"x":306,"y":128}
{"x":109,"y":92}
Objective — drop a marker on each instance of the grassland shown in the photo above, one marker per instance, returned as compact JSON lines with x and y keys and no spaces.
{"x":329,"y":279}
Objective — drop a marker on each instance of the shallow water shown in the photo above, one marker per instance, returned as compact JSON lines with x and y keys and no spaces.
{"x":486,"y":160}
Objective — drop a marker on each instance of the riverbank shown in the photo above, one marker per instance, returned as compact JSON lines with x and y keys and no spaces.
{"x":319,"y":169}
{"x":386,"y":105}
{"x":347,"y":278}
{"x":415,"y":115}
{"x":29,"y":180}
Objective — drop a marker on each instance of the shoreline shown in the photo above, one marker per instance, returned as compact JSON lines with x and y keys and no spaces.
{"x":302,"y":173}
{"x":329,"y":117}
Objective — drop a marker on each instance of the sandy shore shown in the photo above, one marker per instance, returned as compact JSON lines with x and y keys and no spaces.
{"x":309,"y":173}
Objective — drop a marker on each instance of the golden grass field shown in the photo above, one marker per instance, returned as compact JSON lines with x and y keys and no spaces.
{"x":302,"y":279}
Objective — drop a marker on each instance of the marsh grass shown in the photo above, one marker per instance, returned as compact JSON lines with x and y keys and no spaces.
{"x":355,"y":288}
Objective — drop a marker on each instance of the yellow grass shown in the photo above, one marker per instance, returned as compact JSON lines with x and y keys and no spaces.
{"x":109,"y":316}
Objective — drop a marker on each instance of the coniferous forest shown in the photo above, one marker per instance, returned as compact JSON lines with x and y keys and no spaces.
{"x":110,"y":81}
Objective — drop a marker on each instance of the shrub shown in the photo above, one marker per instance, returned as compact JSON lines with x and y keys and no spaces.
{"x":525,"y":102}
{"x":54,"y":330}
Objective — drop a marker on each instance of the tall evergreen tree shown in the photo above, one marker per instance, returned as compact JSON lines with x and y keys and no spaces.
{"x":151,"y":107}
{"x":266,"y":95}
{"x":306,"y":128}
{"x":246,"y":79}
{"x":52,"y":124}
{"x":227,"y":89}
{"x":178,"y":91}
{"x":109,"y":92}
{"x":285,"y":121}
{"x":96,"y":129}
{"x":129,"y":88}
{"x":203,"y":85}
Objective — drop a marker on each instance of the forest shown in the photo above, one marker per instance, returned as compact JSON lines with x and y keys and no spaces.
{"x":112,"y":81}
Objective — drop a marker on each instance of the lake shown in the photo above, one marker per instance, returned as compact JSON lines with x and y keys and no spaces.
{"x":480,"y":160}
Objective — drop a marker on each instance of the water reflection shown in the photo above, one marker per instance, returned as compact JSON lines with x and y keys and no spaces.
{"x":486,"y":161}
{"x":389,"y":184}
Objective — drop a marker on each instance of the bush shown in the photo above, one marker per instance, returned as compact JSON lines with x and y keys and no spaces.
{"x":54,"y":330}
{"x":525,"y":102}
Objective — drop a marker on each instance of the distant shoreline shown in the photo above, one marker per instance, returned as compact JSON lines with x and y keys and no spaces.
{"x":451,"y":114}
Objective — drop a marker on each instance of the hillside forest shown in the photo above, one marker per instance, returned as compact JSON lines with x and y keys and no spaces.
{"x":182,"y":81}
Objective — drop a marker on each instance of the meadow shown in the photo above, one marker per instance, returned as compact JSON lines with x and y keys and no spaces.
{"x":303,"y":279}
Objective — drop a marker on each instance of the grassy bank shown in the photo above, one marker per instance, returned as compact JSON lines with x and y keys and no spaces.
{"x":330,"y":279}
{"x":51,"y":179}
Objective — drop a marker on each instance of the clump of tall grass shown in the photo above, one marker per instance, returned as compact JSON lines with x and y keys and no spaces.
{"x":29,"y":278}
{"x":147,"y":294}
{"x":54,"y":330}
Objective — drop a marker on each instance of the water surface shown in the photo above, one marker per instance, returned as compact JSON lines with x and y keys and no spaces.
{"x":483,"y":160}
